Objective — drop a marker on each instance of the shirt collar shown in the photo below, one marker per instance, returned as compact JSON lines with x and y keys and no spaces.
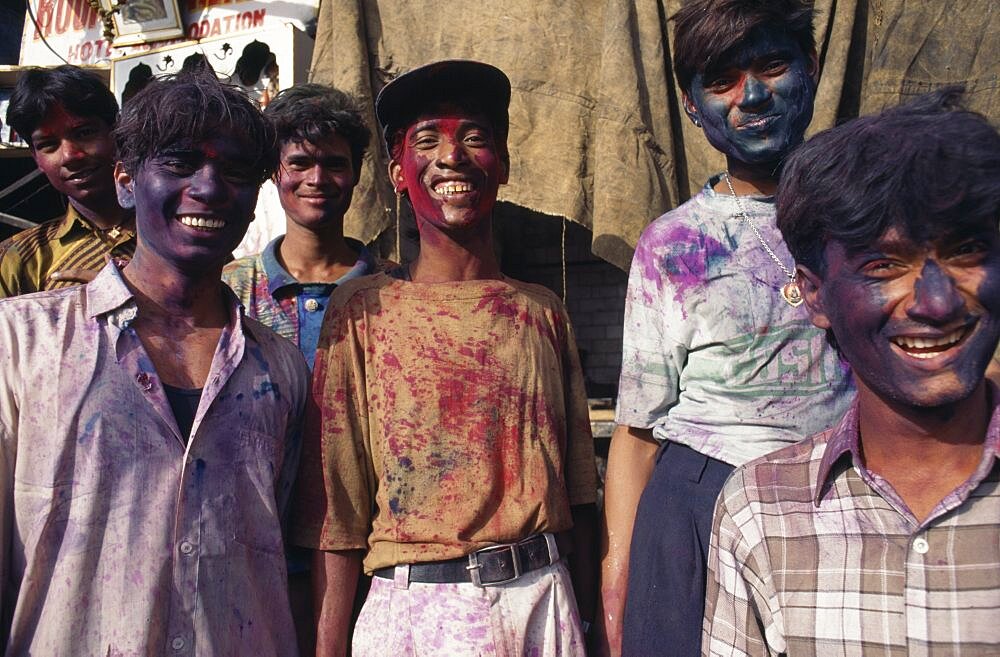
{"x":278,"y":277}
{"x":108,"y":292}
{"x":108,"y":295}
{"x":76,"y":221}
{"x":844,"y":439}
{"x":70,"y":221}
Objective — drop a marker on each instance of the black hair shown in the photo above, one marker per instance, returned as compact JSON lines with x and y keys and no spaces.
{"x":312,"y":112}
{"x":188,"y":108}
{"x":705,"y":31}
{"x":927,"y":167}
{"x":39,"y":90}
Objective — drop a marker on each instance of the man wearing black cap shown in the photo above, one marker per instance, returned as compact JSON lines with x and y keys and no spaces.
{"x":450,"y":435}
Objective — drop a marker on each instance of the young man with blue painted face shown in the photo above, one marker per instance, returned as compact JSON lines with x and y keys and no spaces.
{"x":149,"y":430}
{"x":720,"y":363}
{"x":881,"y":535}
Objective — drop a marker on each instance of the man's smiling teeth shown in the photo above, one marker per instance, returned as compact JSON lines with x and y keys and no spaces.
{"x":201,"y":222}
{"x":451,"y":187}
{"x":934,"y":345}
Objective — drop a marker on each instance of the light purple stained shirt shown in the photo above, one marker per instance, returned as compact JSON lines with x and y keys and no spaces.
{"x":120,"y":537}
{"x":712,"y":356}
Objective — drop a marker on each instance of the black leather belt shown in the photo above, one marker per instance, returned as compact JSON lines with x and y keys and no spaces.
{"x":497,"y":564}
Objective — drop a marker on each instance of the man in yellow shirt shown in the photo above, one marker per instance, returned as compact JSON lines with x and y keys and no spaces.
{"x":66,"y":116}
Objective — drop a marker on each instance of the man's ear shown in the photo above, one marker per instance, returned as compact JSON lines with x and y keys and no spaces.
{"x":690,"y":109}
{"x":810,"y":285}
{"x":504,"y":166}
{"x":813,"y":66}
{"x":396,"y":177}
{"x":124,"y":187}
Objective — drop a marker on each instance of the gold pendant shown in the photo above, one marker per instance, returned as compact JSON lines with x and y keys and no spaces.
{"x":791,"y":294}
{"x":114,"y":233}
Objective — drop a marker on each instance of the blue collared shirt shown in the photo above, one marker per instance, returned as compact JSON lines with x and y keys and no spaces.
{"x":292,"y":308}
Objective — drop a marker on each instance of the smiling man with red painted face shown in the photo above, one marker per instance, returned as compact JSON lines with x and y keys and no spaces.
{"x":720,"y":364}
{"x":451,"y":445}
{"x":881,"y":535}
{"x":149,"y":429}
{"x":66,"y":115}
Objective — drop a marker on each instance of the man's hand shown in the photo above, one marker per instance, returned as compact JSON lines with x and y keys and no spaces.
{"x":74,"y":275}
{"x":630,"y":464}
{"x":335,"y":578}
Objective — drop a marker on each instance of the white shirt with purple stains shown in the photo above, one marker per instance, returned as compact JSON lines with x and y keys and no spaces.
{"x":713,"y":357}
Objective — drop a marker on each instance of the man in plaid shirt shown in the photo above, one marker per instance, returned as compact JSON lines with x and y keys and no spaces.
{"x":881,"y":536}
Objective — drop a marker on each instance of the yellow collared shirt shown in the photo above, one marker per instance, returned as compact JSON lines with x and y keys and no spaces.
{"x":28,"y":259}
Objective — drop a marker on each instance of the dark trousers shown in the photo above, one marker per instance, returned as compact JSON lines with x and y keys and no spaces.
{"x":667,"y":563}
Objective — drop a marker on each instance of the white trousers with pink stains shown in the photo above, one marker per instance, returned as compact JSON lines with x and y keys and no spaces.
{"x":534,"y":616}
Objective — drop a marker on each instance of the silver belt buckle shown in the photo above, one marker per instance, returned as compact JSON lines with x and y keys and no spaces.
{"x":474,"y":564}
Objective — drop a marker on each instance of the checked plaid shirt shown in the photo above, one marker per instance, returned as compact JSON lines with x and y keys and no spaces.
{"x":812,"y":554}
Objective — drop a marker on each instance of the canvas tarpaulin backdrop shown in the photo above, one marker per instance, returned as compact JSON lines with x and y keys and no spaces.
{"x":597,"y":134}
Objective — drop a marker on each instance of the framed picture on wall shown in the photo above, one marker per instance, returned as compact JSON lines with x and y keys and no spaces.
{"x":142,"y":21}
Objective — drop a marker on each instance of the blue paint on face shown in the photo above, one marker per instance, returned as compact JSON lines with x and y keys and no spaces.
{"x":193,"y":202}
{"x":918,"y":321}
{"x":935,"y":297}
{"x":757,"y":103}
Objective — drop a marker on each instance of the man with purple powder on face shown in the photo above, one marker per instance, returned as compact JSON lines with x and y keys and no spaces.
{"x":720,"y":363}
{"x":881,"y":535}
{"x":450,"y":445}
{"x":148,"y":429}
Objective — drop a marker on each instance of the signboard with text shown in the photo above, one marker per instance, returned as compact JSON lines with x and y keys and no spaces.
{"x":74,"y":30}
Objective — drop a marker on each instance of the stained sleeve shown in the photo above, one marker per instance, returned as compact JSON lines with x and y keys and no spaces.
{"x":654,"y":342}
{"x":10,"y":270}
{"x":335,"y":489}
{"x":300,"y":385}
{"x":9,"y":406}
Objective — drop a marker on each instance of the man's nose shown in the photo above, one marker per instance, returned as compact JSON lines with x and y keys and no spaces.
{"x":71,"y":150}
{"x":936,"y":299}
{"x":755,"y":93}
{"x":452,"y":153}
{"x":207,"y":185}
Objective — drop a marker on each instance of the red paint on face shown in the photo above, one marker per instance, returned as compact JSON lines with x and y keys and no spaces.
{"x":450,"y":167}
{"x":76,"y":154}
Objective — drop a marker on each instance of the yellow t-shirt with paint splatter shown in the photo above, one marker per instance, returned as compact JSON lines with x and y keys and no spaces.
{"x":448,"y":417}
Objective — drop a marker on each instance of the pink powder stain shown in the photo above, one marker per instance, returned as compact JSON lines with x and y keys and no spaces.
{"x":497,"y":304}
{"x":688,"y":260}
{"x":390,"y":360}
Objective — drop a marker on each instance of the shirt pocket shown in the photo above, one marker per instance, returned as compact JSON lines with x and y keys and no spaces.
{"x":256,"y":469}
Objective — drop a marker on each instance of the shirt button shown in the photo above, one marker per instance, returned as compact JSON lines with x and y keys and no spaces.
{"x":186,"y":548}
{"x":177,"y":643}
{"x":312,"y":305}
{"x":920,"y":545}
